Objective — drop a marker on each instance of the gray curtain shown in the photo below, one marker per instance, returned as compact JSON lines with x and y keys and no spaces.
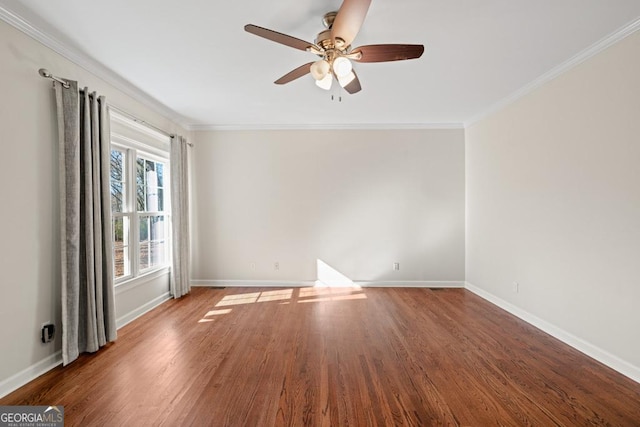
{"x":180,"y":282}
{"x":88,"y":309}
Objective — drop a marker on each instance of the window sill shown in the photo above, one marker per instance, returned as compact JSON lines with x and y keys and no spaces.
{"x":148,"y":276}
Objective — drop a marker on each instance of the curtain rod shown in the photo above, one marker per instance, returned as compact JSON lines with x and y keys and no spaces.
{"x":46,"y":74}
{"x":137,"y":120}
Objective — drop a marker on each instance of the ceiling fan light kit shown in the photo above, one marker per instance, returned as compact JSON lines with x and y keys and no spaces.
{"x":333,"y":46}
{"x":320,"y":69}
{"x":342,"y":66}
{"x":325,"y":83}
{"x":347,"y":79}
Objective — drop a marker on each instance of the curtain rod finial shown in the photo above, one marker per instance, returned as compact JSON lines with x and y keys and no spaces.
{"x":46,"y":74}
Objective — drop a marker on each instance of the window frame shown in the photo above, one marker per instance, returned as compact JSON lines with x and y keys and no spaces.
{"x":165,"y":213}
{"x":134,"y":148}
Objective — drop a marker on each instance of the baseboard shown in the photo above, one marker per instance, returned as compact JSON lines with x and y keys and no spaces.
{"x":251,"y":283}
{"x":29,"y":374}
{"x":34,"y":371}
{"x":309,"y":283}
{"x":410,"y":284}
{"x":143,"y":309}
{"x":612,"y":361}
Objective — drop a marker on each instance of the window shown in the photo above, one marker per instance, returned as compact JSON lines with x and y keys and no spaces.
{"x":152,"y":222}
{"x":140,"y":210}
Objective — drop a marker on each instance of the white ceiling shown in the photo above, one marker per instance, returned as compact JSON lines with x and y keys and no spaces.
{"x":195,"y":58}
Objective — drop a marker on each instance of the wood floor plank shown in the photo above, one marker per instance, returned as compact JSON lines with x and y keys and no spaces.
{"x":334,"y":357}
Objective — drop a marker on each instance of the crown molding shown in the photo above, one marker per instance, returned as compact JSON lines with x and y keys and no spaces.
{"x":89,"y":64}
{"x":86,"y":62}
{"x":572,"y":62}
{"x":327,"y":126}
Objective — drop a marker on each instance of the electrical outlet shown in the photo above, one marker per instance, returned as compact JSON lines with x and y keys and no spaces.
{"x":253,"y":266}
{"x":47,"y":332}
{"x":396,"y":266}
{"x":516,"y":287}
{"x":276,"y":265}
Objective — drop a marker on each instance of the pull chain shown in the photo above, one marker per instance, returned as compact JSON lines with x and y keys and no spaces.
{"x":338,"y":96}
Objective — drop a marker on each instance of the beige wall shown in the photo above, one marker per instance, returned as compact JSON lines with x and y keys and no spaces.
{"x":29,"y":252}
{"x":357,"y":200}
{"x":553,"y":202}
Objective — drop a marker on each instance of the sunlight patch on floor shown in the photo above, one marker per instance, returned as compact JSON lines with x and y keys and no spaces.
{"x":330,"y":286}
{"x":279,"y":295}
{"x":207,"y":317}
{"x":249,"y":298}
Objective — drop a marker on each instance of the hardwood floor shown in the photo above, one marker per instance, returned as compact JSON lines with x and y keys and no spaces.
{"x":334,"y":357}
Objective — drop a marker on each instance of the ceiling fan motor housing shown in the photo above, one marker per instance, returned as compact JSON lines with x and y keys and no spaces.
{"x":324,"y":40}
{"x":328,"y":18}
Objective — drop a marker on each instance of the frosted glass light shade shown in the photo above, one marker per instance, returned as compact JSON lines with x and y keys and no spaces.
{"x":342,"y":66}
{"x":345,"y":80}
{"x":320,"y":69}
{"x":325,"y":83}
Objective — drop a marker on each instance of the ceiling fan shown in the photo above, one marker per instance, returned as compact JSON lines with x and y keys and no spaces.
{"x":333,"y":46}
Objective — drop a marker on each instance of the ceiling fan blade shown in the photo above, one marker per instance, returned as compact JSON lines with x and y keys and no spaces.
{"x":295,"y":74}
{"x":349,"y":20}
{"x":389,"y":52}
{"x":278,"y":37}
{"x":354,"y":85}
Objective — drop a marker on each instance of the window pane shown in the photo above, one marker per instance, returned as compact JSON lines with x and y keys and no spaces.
{"x":117,"y":164}
{"x":158,"y":253}
{"x":144,"y":228}
{"x":117,"y":172}
{"x":122,"y":262}
{"x":160,"y":172}
{"x":160,"y":200}
{"x":118,"y":230}
{"x":152,"y":191}
{"x":118,"y":261}
{"x":157,"y":228}
{"x":140,"y":184}
{"x":117,"y":196}
{"x":144,"y":255}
